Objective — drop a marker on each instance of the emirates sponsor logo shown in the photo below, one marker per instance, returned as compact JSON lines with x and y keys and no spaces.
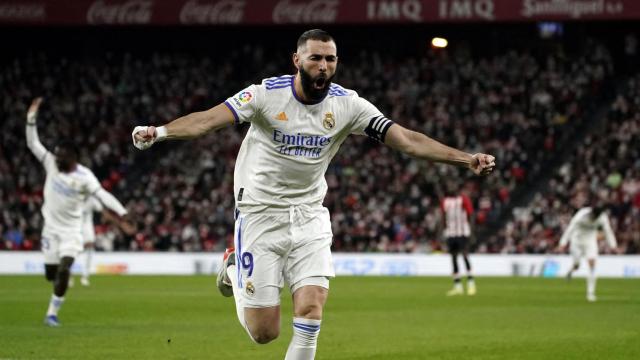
{"x":127,"y":12}
{"x":574,"y":8}
{"x":316,"y":11}
{"x":221,"y":12}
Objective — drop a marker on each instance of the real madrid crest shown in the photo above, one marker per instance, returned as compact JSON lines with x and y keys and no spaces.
{"x":250,"y":288}
{"x":329,"y":121}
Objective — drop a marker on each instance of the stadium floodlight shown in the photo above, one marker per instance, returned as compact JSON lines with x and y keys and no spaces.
{"x":439,"y":42}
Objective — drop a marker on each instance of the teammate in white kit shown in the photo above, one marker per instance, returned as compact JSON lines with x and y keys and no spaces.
{"x":93,"y":205}
{"x":282,"y":232}
{"x":90,"y":206}
{"x":67,"y":186}
{"x":582,"y":233}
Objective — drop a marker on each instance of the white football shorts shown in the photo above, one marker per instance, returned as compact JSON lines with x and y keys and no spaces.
{"x":587,"y":250}
{"x":58,"y":244}
{"x":277,"y":246}
{"x":88,"y":233}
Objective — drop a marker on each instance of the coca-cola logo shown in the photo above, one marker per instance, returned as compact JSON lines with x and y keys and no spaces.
{"x":316,"y":11}
{"x":221,"y":12}
{"x":127,"y":12}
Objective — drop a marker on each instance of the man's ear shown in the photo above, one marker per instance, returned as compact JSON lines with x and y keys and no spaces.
{"x":296,"y":60}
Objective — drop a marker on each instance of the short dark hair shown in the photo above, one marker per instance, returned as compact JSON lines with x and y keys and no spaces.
{"x":314,"y":34}
{"x":70,"y":147}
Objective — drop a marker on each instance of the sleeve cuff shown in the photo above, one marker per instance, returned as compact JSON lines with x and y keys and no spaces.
{"x":233,"y":111}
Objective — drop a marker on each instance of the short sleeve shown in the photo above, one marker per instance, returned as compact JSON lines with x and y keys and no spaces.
{"x":96,"y":205}
{"x":368,"y":120}
{"x":243,"y":105}
{"x":93,"y":185}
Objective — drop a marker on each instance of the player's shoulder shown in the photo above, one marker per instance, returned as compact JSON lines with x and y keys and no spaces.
{"x":83,"y":171}
{"x":277,"y":82}
{"x":338,"y":91}
{"x":583,"y":211}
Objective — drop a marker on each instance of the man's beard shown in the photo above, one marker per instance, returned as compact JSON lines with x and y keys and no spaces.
{"x":311,"y":92}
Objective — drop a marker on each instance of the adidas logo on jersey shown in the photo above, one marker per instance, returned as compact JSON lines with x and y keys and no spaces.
{"x":282,"y":116}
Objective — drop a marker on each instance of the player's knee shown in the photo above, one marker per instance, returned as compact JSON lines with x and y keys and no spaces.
{"x":309,"y":311}
{"x":63,"y":272}
{"x":264,"y":335}
{"x":65,"y":264}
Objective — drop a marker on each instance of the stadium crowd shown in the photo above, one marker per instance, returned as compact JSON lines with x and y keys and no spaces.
{"x":520,"y":106}
{"x":604,"y":166}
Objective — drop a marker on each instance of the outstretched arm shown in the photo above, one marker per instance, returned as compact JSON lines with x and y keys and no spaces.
{"x":33,"y":141}
{"x":110,"y":202}
{"x":421,"y":146}
{"x":126,"y":225}
{"x":566,"y":236}
{"x":608,"y":233}
{"x":109,"y":215}
{"x":187,"y":127}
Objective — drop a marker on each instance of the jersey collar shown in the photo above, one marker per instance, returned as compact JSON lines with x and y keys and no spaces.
{"x":295,"y":95}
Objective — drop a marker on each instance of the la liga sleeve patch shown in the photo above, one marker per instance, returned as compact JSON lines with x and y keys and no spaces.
{"x":241,"y":99}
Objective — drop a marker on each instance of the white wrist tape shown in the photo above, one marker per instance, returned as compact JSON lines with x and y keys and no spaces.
{"x":161,"y":133}
{"x":31,"y":118}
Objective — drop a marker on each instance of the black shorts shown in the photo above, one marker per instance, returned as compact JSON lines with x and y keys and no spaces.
{"x":457,"y":243}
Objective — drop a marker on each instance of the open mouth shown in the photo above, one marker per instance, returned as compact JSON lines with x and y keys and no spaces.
{"x":320,"y":83}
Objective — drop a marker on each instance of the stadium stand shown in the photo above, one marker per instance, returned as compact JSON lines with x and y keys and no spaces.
{"x":520,"y":105}
{"x":604,"y":165}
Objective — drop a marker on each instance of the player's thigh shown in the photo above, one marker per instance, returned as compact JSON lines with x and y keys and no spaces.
{"x":260,"y":258}
{"x":453,"y":244}
{"x":591,"y":251}
{"x":50,"y":244}
{"x":70,"y":245}
{"x":577,"y":251}
{"x":310,"y":256}
{"x":464,"y":244}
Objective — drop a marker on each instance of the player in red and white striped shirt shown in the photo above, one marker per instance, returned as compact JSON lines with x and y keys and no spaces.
{"x":457,"y":210}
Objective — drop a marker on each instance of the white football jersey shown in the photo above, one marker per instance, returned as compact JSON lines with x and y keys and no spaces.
{"x":65,"y":195}
{"x":583,"y":229}
{"x":91,"y":205}
{"x":286,"y":152}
